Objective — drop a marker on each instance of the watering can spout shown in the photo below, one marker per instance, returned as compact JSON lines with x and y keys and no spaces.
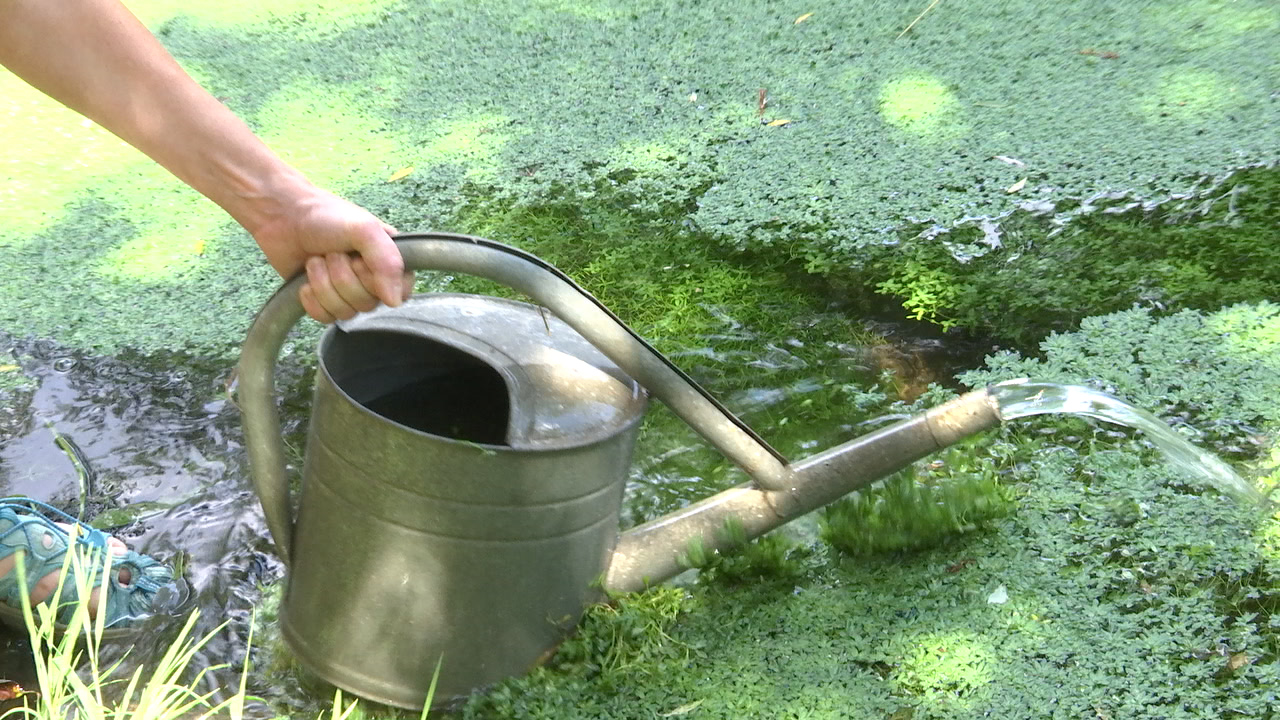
{"x":650,"y":553}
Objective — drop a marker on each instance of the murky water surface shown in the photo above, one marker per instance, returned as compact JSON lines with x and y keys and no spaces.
{"x":163,"y":443}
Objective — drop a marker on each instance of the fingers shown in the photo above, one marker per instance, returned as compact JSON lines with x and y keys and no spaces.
{"x":338,"y":287}
{"x":380,"y":254}
{"x":335,"y":290}
{"x":351,"y":261}
{"x":367,"y":278}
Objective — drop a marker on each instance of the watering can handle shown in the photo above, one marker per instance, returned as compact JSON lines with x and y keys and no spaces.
{"x":519,"y":271}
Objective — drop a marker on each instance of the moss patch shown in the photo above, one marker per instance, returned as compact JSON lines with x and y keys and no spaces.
{"x":1032,"y":275}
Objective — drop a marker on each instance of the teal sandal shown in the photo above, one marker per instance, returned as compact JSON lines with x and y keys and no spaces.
{"x":30,"y":527}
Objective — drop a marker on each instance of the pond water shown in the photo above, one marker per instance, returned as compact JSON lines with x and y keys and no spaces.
{"x":160,"y":437}
{"x":162,"y":441}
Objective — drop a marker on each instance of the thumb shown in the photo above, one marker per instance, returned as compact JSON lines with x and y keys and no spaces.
{"x":384,"y":268}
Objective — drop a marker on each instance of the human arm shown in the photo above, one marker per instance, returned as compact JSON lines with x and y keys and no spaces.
{"x":95,"y":57}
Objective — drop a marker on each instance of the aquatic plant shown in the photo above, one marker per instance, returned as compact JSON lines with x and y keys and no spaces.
{"x":773,"y":557}
{"x":618,"y":643}
{"x":1034,"y":275}
{"x":914,"y":509}
{"x":819,"y":156}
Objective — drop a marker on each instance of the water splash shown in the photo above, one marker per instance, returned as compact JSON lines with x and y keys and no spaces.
{"x":1022,"y":398}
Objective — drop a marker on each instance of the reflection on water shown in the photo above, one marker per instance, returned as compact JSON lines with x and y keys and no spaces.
{"x":1021,"y":398}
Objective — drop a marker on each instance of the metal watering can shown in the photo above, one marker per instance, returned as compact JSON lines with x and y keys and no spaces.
{"x":465,"y":467}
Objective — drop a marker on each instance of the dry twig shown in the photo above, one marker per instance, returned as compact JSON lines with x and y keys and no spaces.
{"x":913,"y":22}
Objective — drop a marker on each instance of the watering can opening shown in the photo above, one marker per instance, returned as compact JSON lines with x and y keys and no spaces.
{"x":422,"y":384}
{"x":480,"y":370}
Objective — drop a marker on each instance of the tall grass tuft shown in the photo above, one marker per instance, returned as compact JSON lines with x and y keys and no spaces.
{"x":102,"y":693}
{"x":73,"y":681}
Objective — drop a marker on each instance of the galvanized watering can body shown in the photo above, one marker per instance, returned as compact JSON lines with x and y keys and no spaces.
{"x":464,"y":473}
{"x":465,"y":467}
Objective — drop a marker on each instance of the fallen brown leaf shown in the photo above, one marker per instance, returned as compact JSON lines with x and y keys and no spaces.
{"x":778,"y":123}
{"x":1237,"y":661}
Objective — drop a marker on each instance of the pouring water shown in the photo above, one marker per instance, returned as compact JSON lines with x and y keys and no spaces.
{"x":1023,"y":398}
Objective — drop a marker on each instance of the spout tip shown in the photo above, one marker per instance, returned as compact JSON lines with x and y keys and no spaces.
{"x":966,"y":415}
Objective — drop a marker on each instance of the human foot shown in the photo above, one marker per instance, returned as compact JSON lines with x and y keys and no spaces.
{"x":43,"y":534}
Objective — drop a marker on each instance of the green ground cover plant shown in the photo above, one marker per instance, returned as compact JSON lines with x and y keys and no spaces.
{"x":1039,"y":275}
{"x":1114,"y":588}
{"x":809,"y":135}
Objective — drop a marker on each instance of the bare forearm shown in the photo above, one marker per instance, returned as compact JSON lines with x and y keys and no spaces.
{"x":96,"y":58}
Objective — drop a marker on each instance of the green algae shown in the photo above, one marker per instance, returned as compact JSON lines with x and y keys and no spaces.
{"x":1040,"y":272}
{"x":330,"y":136}
{"x":327,"y":14}
{"x":920,"y":106}
{"x":663,"y":102}
{"x":62,"y":156}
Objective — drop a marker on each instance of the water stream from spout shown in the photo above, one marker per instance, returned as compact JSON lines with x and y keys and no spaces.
{"x":1022,"y":398}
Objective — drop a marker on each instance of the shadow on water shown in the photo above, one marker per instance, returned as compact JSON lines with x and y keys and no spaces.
{"x":164,"y":446}
{"x":161,"y":445}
